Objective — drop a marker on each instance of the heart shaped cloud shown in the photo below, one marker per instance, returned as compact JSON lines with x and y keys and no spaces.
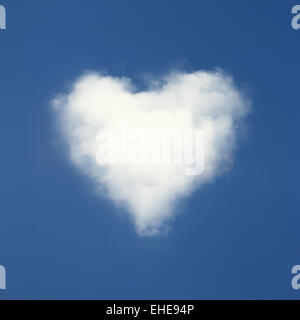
{"x":206,"y":101}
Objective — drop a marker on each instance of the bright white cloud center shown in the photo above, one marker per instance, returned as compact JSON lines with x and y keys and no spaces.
{"x":183,"y":102}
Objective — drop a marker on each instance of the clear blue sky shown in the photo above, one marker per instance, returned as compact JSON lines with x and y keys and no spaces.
{"x":237,"y":237}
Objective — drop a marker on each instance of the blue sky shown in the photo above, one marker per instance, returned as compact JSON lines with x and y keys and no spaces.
{"x":236,"y":238}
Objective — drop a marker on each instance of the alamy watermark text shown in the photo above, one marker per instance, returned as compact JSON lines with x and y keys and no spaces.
{"x":296,"y":18}
{"x":2,"y":278}
{"x":138,"y":146}
{"x":296,"y":278}
{"x":2,"y":18}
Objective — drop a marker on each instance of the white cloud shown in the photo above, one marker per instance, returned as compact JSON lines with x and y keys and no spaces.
{"x":200,"y":100}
